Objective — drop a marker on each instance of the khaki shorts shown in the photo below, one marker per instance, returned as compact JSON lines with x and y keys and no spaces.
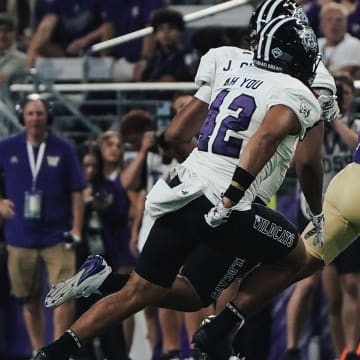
{"x":24,"y":267}
{"x":342,"y":215}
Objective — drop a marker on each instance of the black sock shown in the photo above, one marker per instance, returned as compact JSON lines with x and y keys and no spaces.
{"x":113,"y":283}
{"x":63,"y":347}
{"x":225,"y":321}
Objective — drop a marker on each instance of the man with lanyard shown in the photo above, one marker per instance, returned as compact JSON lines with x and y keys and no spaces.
{"x":42,"y":206}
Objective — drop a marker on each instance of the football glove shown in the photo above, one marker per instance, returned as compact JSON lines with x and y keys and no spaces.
{"x":329,"y":107}
{"x":47,"y":354}
{"x":61,"y":349}
{"x":217,"y":215}
{"x":317,"y":230}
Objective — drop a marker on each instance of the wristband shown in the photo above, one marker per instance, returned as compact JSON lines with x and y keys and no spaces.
{"x":243,"y":177}
{"x":234,"y":194}
{"x":161,"y":141}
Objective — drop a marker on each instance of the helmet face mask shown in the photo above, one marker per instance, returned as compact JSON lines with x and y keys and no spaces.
{"x":285,"y":45}
{"x":270,"y":9}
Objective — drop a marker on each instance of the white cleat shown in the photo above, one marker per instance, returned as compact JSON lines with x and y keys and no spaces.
{"x":85,"y":282}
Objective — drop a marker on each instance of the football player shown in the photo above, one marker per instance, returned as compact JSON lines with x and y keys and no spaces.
{"x":253,"y":119}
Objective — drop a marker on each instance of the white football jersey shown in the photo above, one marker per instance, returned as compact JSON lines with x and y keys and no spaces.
{"x":241,"y":95}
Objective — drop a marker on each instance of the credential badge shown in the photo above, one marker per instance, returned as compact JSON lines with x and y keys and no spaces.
{"x":14,"y":159}
{"x":53,"y":161}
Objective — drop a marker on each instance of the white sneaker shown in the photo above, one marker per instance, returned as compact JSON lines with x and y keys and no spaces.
{"x":85,"y":282}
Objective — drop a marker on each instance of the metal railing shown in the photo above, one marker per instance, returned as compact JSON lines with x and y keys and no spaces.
{"x":82,"y":111}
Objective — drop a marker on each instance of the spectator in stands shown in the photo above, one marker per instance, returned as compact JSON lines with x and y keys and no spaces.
{"x":137,"y":128}
{"x":105,"y":231}
{"x":11,"y":60}
{"x":353,"y":19}
{"x":312,"y":9}
{"x":67,"y":28}
{"x":123,"y":17}
{"x":27,"y":14}
{"x":340,"y":50}
{"x":43,"y":208}
{"x":169,"y":60}
{"x":117,"y":232}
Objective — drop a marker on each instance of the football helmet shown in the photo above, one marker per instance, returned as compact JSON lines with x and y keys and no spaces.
{"x":288,"y":46}
{"x":270,"y":9}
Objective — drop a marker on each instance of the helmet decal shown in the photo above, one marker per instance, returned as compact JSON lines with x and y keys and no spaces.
{"x":309,"y":40}
{"x":276,"y":53}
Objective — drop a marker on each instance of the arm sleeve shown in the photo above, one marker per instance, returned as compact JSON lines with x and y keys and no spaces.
{"x":206,"y":70}
{"x":204,"y":93}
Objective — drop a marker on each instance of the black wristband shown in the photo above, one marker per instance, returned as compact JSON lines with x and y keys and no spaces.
{"x":234,"y":194}
{"x":242,"y":177}
{"x":161,"y":141}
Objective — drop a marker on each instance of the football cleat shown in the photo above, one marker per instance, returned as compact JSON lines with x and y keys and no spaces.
{"x":85,"y":282}
{"x":213,"y":349}
{"x":46,"y":353}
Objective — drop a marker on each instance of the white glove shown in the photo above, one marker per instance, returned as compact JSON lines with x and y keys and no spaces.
{"x":329,"y":107}
{"x":218,"y":215}
{"x":317,"y":230}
